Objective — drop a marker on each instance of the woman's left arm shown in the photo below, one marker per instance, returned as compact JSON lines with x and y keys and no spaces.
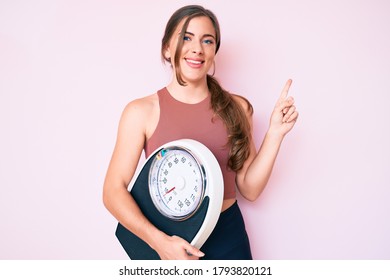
{"x":253,"y":177}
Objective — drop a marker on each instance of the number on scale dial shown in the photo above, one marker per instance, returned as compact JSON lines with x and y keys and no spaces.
{"x":176,"y":183}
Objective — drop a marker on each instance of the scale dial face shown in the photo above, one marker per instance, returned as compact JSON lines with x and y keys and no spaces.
{"x":176,"y":183}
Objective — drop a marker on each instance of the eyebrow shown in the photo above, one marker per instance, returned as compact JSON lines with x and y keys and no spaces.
{"x":205,"y":35}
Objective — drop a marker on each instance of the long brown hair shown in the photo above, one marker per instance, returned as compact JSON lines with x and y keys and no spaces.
{"x":222,"y":102}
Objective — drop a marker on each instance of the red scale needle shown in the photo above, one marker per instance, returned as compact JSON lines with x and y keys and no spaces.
{"x":169,"y":191}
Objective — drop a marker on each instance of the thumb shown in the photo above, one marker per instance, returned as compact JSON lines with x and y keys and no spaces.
{"x":191,"y":250}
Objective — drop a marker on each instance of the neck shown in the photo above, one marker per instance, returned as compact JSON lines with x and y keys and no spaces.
{"x":190,"y":93}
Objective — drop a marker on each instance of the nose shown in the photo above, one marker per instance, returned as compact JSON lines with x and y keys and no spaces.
{"x":196,"y":47}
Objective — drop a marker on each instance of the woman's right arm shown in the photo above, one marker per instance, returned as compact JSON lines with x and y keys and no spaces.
{"x":127,"y":152}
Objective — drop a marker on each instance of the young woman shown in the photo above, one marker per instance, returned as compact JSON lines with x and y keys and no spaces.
{"x":194,"y":105}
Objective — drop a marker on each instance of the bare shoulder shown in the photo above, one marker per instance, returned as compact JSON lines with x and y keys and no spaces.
{"x":244,"y":103}
{"x":142,"y":114}
{"x":142,"y":106}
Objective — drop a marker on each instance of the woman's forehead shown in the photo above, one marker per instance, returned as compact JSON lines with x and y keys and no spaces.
{"x":200,"y":24}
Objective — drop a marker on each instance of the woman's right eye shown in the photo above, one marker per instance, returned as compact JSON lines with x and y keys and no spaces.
{"x":186,"y":38}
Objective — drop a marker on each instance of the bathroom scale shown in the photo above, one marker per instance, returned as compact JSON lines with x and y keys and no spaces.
{"x":179,"y":189}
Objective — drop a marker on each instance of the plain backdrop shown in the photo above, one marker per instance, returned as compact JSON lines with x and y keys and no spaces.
{"x":69,"y":67}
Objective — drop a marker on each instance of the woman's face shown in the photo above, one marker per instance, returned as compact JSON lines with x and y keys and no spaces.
{"x":198,"y":52}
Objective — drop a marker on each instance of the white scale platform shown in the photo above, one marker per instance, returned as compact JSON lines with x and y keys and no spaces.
{"x":180,"y":190}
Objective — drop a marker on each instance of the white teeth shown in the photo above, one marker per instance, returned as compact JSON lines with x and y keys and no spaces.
{"x":194,"y":61}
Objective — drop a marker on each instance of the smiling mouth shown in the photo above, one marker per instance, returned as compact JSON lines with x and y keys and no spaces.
{"x":196,"y":62}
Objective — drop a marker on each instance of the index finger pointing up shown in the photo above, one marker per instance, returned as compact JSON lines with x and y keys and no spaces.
{"x":284,"y":93}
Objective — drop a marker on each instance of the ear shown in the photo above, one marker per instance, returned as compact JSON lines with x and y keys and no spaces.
{"x":167,"y":53}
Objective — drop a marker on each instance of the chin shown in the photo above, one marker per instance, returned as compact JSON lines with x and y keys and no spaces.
{"x":194,"y":78}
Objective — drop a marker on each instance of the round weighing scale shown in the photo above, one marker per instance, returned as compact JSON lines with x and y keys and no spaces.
{"x":180,"y":191}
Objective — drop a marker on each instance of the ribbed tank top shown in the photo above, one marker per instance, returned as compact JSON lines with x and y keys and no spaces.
{"x":180,"y":120}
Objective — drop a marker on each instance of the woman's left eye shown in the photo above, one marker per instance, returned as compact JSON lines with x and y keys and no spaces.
{"x":208,"y":41}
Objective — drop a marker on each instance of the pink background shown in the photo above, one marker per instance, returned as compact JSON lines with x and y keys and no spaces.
{"x":68,"y":68}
